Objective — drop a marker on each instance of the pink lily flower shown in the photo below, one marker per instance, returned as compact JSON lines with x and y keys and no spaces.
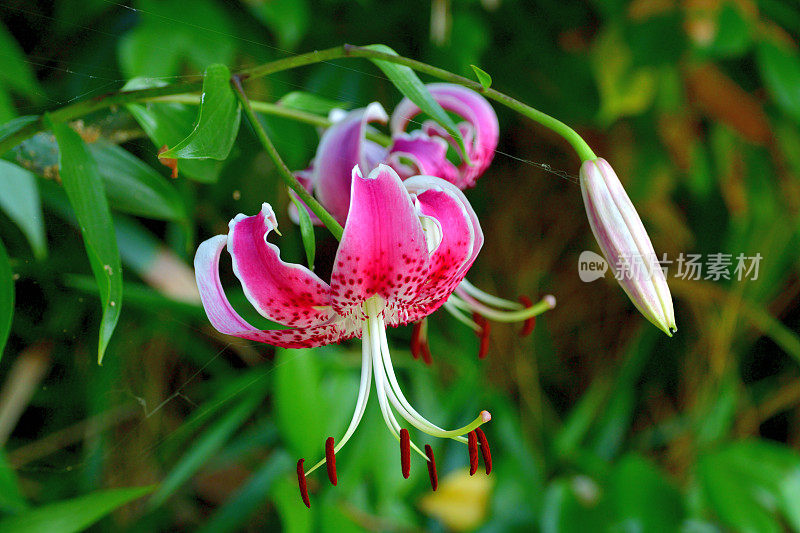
{"x":405,"y":248}
{"x":422,"y":151}
{"x":426,"y":148}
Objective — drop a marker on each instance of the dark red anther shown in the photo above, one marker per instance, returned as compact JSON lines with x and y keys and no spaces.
{"x":426,"y":352}
{"x":301,"y":481}
{"x":172,"y":164}
{"x":405,"y":452}
{"x":483,"y":334}
{"x":330,"y":460}
{"x":485,"y":451}
{"x":419,"y":343}
{"x":472,"y":444}
{"x":415,"y":334}
{"x":432,"y":467}
{"x":527,"y":328}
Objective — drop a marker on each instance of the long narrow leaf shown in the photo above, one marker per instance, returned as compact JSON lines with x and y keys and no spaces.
{"x":135,"y":187}
{"x":237,"y":509}
{"x":86,"y":193}
{"x":72,"y":515}
{"x":204,"y":448}
{"x":410,"y":85}
{"x":6,"y":297}
{"x":19,"y":198}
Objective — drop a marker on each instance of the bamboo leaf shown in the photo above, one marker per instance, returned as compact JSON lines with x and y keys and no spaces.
{"x":86,"y":194}
{"x":133,"y":186}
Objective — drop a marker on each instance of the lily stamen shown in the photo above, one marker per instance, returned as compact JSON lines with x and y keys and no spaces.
{"x":405,"y":452}
{"x":473,"y":452}
{"x":432,"y":467}
{"x":330,"y":460}
{"x":485,"y":451}
{"x":301,"y":481}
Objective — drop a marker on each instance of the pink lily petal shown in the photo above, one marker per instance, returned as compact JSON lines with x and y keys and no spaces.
{"x":461,"y":238}
{"x":343,"y":145}
{"x":481,"y":130}
{"x":383,"y":250}
{"x":427,"y":155}
{"x":286,"y":293}
{"x":226,"y":320}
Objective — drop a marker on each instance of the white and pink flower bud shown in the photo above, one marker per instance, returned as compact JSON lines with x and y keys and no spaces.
{"x":624,"y":242}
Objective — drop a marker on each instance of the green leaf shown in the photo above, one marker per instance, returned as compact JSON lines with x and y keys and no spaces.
{"x":166,"y":37}
{"x":483,"y":77}
{"x":295,"y":518}
{"x":6,"y":297}
{"x":297,"y":401}
{"x":14,"y":125}
{"x":167,"y":124}
{"x":734,"y":32}
{"x":306,"y":230}
{"x":19,"y":198}
{"x":217,"y":123}
{"x":133,"y":186}
{"x":574,"y":505}
{"x":752,"y":485}
{"x":204,"y":448}
{"x":643,"y":499}
{"x":72,"y":515}
{"x":11,"y":499}
{"x":624,"y":89}
{"x":86,"y":193}
{"x":239,"y":506}
{"x":412,"y":88}
{"x":311,"y":103}
{"x":288,"y":19}
{"x":15,"y":71}
{"x":780,"y":70}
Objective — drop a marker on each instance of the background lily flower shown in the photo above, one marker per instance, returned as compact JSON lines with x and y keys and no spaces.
{"x":427,"y":147}
{"x":405,"y":248}
{"x":625,"y":244}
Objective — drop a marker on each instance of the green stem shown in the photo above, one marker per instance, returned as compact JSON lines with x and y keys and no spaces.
{"x":76,"y":110}
{"x":284,"y":172}
{"x":276,"y":110}
{"x":570,"y":135}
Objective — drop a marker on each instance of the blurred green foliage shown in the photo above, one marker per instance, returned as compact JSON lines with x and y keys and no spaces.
{"x":599,"y":422}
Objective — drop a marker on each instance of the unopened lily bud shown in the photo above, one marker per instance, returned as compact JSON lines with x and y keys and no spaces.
{"x":624,"y":242}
